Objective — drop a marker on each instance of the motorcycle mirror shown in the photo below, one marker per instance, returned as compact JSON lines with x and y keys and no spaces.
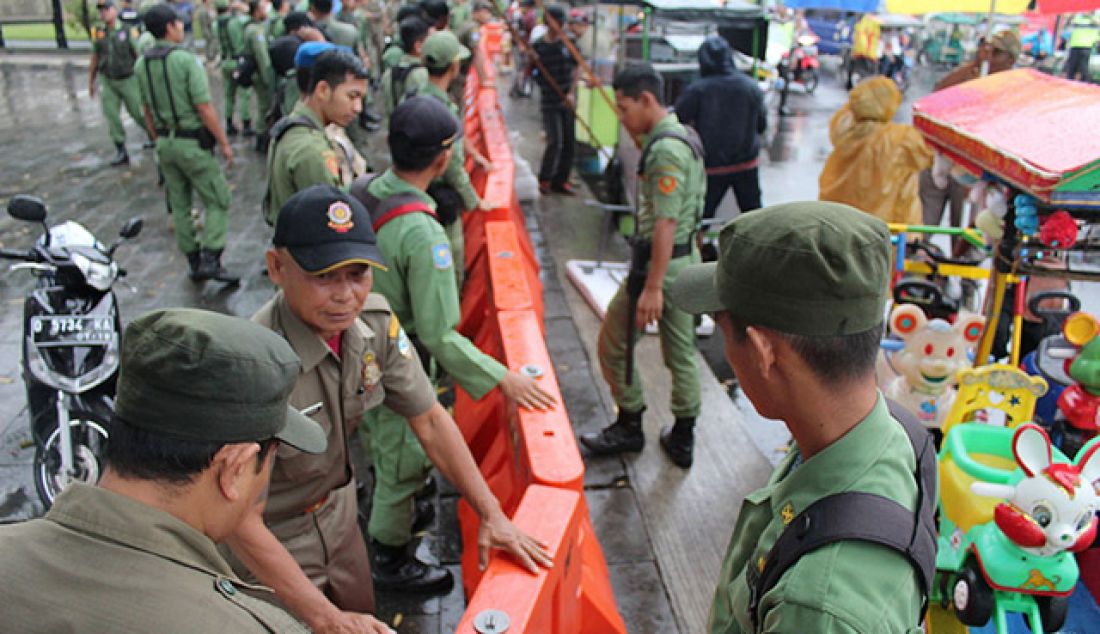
{"x":28,"y":208}
{"x":131,"y":228}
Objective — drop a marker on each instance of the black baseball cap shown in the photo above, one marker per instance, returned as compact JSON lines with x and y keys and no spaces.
{"x":324,"y":228}
{"x":103,"y":4}
{"x":422,"y":124}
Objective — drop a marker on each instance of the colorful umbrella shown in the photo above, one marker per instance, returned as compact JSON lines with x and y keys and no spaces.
{"x":920,"y":7}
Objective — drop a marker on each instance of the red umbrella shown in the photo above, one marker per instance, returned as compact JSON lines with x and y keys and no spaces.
{"x":1051,"y":7}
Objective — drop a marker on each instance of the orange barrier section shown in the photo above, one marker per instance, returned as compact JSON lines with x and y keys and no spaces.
{"x":529,"y":458}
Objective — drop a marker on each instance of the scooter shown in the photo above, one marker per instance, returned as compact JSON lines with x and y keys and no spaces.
{"x":800,"y":64}
{"x":71,"y":336}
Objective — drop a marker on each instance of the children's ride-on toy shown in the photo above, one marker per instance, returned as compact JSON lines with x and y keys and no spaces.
{"x":1016,"y":555}
{"x":1079,"y":404}
{"x":1048,"y":360}
{"x":999,"y":395}
{"x":934,"y":352}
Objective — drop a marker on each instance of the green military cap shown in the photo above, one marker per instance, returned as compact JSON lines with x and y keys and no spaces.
{"x":815,"y":269}
{"x":221,"y":4}
{"x":441,"y":49}
{"x":199,"y":375}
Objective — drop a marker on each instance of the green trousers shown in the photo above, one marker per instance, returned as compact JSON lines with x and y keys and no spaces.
{"x":677,"y":332}
{"x":115,"y":93}
{"x":264,"y":95}
{"x":232,"y":92}
{"x":188,"y":168}
{"x":400,"y":467}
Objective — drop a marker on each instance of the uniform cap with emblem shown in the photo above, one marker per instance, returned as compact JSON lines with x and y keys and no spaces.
{"x":441,"y":49}
{"x":324,"y":228}
{"x":816,"y":269}
{"x":199,"y":375}
{"x":422,"y":124}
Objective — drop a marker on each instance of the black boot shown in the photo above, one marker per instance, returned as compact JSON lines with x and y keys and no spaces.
{"x":194,"y":260}
{"x":246,"y":128}
{"x":678,"y":441}
{"x":625,"y":434}
{"x":121,"y":157}
{"x":230,"y":129}
{"x":210,"y":267}
{"x":425,"y":515}
{"x":261,"y":143}
{"x":395,"y":570}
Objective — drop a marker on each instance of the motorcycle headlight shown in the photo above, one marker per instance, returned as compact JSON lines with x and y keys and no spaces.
{"x":98,"y":275}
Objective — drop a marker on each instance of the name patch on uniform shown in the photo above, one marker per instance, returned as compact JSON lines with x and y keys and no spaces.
{"x":667,"y":184}
{"x":339,"y":217}
{"x":441,"y":256}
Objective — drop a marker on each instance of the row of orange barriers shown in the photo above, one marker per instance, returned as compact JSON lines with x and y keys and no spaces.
{"x":529,"y":458}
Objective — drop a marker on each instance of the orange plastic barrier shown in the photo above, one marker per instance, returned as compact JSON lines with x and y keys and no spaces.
{"x":530,"y":459}
{"x":564,"y":599}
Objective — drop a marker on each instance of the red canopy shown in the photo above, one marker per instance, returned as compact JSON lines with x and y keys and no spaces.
{"x":1031,"y":129}
{"x":1050,"y":7}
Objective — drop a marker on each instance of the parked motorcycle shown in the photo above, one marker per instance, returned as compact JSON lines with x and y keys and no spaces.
{"x":71,"y":336}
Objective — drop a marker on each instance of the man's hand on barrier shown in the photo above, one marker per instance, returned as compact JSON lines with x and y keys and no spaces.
{"x":353,"y":623}
{"x":497,"y":531}
{"x":488,"y":205}
{"x":526,"y":391}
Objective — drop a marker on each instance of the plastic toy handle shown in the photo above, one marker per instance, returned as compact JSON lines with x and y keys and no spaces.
{"x":1080,"y":328}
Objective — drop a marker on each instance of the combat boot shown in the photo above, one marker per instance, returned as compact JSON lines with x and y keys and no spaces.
{"x":396,"y":570}
{"x":121,"y":157}
{"x":262,"y":141}
{"x":678,"y":441}
{"x":625,"y":434}
{"x":210,"y":267}
{"x":246,"y":128}
{"x":230,"y":129}
{"x":194,"y":260}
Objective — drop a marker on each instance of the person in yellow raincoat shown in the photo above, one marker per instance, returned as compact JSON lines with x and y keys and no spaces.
{"x":874,"y":163}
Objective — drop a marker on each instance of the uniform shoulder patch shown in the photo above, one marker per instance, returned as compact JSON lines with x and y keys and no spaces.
{"x":332,"y":164}
{"x":667,"y":184}
{"x":441,"y":256}
{"x":395,"y":326}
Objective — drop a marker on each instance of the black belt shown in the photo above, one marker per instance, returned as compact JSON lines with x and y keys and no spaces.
{"x":680,"y":250}
{"x":180,"y":134}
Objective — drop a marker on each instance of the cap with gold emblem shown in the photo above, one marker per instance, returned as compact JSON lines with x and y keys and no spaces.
{"x":324,"y":228}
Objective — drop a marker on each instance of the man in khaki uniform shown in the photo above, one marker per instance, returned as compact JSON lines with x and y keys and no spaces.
{"x":201,"y":408}
{"x":307,"y":545}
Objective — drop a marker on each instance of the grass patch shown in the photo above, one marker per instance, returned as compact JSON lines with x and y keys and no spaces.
{"x":41,"y":32}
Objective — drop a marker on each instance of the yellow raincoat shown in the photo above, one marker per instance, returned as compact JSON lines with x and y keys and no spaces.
{"x":875,"y":163}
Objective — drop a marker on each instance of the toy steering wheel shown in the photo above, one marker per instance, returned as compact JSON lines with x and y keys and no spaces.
{"x":1053,"y":318}
{"x":926,"y":295}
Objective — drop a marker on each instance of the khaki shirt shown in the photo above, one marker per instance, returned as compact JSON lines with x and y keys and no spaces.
{"x":673,"y":184}
{"x":377,"y":365}
{"x":103,"y":562}
{"x":846,"y":586}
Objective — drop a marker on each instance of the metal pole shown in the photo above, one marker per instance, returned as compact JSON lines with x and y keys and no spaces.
{"x":59,"y":25}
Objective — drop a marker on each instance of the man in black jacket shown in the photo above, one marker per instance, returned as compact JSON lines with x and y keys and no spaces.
{"x":726,"y":108}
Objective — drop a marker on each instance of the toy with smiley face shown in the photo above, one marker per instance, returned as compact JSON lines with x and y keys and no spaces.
{"x":934,"y":352}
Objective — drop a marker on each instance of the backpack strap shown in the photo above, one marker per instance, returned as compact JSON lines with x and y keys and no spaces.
{"x":845,"y":516}
{"x":691,"y":139}
{"x":161,"y":53}
{"x":384,"y":210}
{"x":401,"y":74}
{"x":277,"y":131}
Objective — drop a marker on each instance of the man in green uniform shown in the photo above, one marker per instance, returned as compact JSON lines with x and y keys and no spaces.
{"x":229,"y":32}
{"x":407,"y":74}
{"x":798,"y":292}
{"x":337,"y":32}
{"x":275,"y":27}
{"x":453,"y":193}
{"x":301,"y":154}
{"x":468,"y":33}
{"x":200,"y":412}
{"x":355,"y":356}
{"x":176,"y":98}
{"x":263,"y":76}
{"x":419,"y":284}
{"x":113,"y":57}
{"x":204,"y":15}
{"x":672,"y":185}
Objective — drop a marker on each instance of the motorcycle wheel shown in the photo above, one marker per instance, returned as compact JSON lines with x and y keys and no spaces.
{"x":973,"y":598}
{"x":810,"y":80}
{"x":89,"y":438}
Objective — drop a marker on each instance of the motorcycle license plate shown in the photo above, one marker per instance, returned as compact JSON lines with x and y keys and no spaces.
{"x":72,"y":330}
